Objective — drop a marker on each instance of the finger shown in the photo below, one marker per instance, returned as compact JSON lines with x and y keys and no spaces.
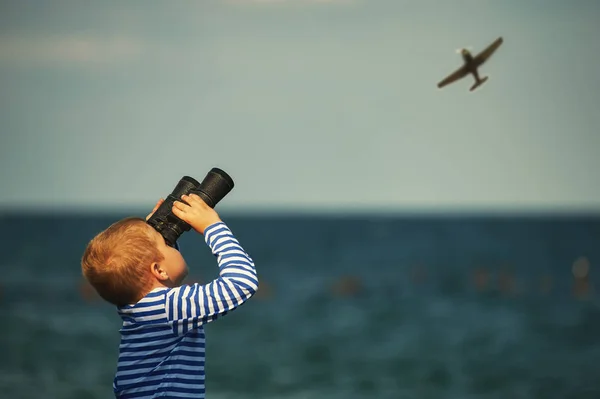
{"x":158,"y":204}
{"x":189,"y":199}
{"x":180,"y":213}
{"x":180,"y":206}
{"x":177,"y":212}
{"x":197,"y":198}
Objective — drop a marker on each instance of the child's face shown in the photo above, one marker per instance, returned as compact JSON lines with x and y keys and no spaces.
{"x":173,"y":264}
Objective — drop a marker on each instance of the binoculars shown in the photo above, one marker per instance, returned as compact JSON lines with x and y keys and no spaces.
{"x":216,"y":185}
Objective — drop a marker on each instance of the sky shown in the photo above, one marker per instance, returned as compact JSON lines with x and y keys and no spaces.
{"x":308,"y":104}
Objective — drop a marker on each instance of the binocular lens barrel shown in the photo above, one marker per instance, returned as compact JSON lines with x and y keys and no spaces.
{"x":215,"y":186}
{"x":185,"y":185}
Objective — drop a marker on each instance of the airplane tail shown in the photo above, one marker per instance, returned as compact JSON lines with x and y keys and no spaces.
{"x":478,"y":83}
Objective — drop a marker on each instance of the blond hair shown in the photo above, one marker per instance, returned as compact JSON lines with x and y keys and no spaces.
{"x":116,"y":262}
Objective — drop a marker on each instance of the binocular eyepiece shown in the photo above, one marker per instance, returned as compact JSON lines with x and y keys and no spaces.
{"x":216,"y":185}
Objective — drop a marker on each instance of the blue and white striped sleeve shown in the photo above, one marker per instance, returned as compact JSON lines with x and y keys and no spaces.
{"x":190,"y":306}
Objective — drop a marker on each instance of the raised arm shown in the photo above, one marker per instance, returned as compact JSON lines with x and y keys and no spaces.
{"x":190,"y":306}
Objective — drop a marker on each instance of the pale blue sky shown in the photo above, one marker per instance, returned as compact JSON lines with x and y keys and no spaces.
{"x":316,"y":105}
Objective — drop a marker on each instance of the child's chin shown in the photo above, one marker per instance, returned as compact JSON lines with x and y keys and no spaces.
{"x":182,"y":278}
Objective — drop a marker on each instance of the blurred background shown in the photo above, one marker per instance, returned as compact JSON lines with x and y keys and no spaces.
{"x":411,"y":242}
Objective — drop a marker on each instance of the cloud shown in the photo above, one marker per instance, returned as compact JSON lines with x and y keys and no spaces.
{"x":69,"y":49}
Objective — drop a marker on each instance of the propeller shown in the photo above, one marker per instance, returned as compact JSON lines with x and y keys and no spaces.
{"x":459,"y":50}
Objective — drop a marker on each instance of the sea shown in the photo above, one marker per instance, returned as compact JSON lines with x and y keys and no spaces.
{"x":349,"y":306}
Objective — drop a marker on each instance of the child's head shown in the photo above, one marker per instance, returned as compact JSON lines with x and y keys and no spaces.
{"x":128,"y":259}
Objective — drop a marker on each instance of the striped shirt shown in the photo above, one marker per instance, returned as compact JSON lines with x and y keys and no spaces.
{"x":162,"y":348}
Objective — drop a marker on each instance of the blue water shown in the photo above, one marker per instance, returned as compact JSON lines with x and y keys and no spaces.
{"x":361,"y":307}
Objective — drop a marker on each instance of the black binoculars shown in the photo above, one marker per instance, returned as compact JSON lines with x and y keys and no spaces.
{"x":216,"y":185}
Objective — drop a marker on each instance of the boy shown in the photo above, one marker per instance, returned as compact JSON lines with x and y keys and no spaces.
{"x":162,"y":339}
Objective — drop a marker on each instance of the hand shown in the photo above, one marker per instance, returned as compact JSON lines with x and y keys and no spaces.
{"x":195,"y":212}
{"x":160,"y":201}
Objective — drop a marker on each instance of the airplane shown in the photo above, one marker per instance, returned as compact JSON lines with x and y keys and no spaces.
{"x":471,"y":64}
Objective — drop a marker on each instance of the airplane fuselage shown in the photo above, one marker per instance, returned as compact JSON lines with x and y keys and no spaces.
{"x":470,"y":64}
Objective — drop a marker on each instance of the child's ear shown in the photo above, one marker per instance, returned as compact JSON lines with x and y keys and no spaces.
{"x":158,"y":271}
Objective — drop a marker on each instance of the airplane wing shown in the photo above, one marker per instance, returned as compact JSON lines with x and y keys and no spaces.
{"x":454,"y":76}
{"x":487,"y":53}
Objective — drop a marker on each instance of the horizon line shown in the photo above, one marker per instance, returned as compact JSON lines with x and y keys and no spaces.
{"x":322,"y":211}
